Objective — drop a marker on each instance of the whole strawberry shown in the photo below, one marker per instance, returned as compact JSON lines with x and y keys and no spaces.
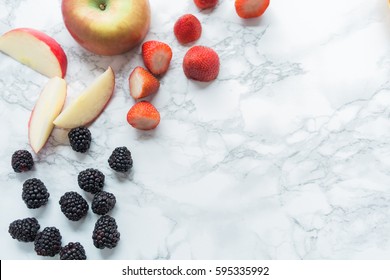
{"x":201,"y":63}
{"x":187,"y":29}
{"x":157,"y":56}
{"x":206,"y":4}
{"x":251,"y":8}
{"x":143,"y":115}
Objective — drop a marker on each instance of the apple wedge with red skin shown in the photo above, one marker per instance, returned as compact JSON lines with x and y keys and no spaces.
{"x":36,"y":50}
{"x":89,"y":104}
{"x":48,"y":107}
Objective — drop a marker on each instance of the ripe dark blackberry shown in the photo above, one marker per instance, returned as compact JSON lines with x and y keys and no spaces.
{"x":80,"y":139}
{"x":73,"y":251}
{"x":73,"y":205}
{"x":105,"y":233}
{"x":22,"y":161}
{"x":103,"y":202}
{"x":91,"y":180}
{"x":48,"y":242}
{"x":34,"y":193}
{"x":120,"y":160}
{"x":24,"y":230}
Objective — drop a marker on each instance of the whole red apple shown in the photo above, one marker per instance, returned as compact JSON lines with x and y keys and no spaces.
{"x":107,"y":27}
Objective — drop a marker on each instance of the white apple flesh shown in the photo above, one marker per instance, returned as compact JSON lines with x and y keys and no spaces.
{"x":36,"y":50}
{"x":48,"y":107}
{"x":89,"y":104}
{"x":107,"y":27}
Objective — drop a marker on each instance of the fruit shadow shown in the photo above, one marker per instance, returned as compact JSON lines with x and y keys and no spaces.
{"x":39,"y":213}
{"x":107,"y":253}
{"x":88,"y":196}
{"x":143,"y":135}
{"x":22,"y":177}
{"x":81,"y":156}
{"x":207,"y":11}
{"x":26,"y":247}
{"x":201,"y":85}
{"x":124,"y":176}
{"x":77,"y":225}
{"x":252,"y":21}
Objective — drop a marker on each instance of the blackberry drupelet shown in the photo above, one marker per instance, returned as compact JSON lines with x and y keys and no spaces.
{"x":91,"y":180}
{"x":48,"y":242}
{"x":35,"y":193}
{"x":24,"y":230}
{"x":103,"y":202}
{"x":22,"y":161}
{"x":120,"y":160}
{"x":105,"y":233}
{"x":80,"y":139}
{"x":73,"y":251}
{"x":73,"y":205}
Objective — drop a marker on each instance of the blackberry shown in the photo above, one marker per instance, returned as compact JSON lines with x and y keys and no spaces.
{"x":91,"y":180}
{"x":105,"y":233}
{"x":34,"y":193}
{"x":103,"y":202}
{"x":73,"y":205}
{"x":24,"y":230}
{"x":22,"y":161}
{"x":73,"y":251}
{"x":120,"y":160}
{"x":80,"y":139}
{"x":48,"y":242}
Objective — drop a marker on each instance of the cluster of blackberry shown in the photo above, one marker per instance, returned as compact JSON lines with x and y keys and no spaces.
{"x":48,"y":242}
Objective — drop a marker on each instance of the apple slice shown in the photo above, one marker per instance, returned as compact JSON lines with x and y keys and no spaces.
{"x":47,"y":108}
{"x":88,"y":106}
{"x":36,"y":50}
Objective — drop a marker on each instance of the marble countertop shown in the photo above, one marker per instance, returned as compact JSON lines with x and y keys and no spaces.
{"x":285,"y":156}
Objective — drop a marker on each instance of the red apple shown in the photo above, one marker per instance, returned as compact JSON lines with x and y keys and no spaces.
{"x":47,"y":108}
{"x":36,"y":50}
{"x":89,"y":104}
{"x":107,"y":27}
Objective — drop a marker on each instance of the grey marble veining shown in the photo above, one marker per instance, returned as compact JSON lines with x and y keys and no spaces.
{"x":285,"y":156}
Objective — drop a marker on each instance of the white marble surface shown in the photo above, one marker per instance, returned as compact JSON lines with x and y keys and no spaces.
{"x":285,"y":156}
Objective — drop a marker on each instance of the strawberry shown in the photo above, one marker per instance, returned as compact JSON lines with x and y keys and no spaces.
{"x":142,"y":83}
{"x":251,"y":8}
{"x":157,"y":56}
{"x":206,"y":4}
{"x":201,"y":64}
{"x":187,"y":29}
{"x":143,"y":115}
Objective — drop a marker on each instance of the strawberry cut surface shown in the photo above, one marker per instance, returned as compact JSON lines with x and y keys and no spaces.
{"x":157,"y":57}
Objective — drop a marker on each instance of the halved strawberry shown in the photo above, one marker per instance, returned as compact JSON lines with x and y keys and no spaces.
{"x":142,"y":83}
{"x":157,"y":56}
{"x":251,"y":8}
{"x":143,"y":115}
{"x":206,"y":4}
{"x":187,"y":29}
{"x":201,"y":63}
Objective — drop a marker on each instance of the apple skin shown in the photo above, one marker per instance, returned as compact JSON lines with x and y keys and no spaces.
{"x":107,"y":27}
{"x":88,"y":106}
{"x":34,"y":37}
{"x":47,"y":108}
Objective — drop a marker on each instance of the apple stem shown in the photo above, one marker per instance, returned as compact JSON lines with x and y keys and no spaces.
{"x":102,"y":6}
